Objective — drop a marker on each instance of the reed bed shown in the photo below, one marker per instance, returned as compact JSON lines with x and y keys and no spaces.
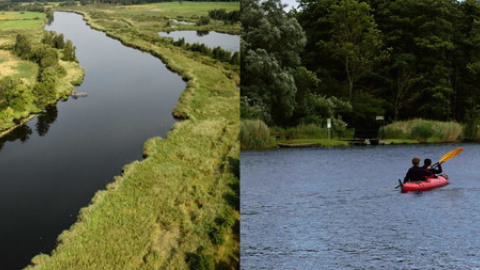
{"x":254,"y":134}
{"x":423,"y":131}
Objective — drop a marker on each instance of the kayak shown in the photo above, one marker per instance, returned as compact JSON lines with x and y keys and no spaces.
{"x":429,"y":184}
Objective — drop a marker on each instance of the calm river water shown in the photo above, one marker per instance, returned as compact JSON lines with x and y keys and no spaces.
{"x":211,"y":39}
{"x":52,"y":166}
{"x":324,"y":208}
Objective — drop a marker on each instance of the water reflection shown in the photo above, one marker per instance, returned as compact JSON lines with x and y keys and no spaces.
{"x":46,"y":119}
{"x":23,"y":132}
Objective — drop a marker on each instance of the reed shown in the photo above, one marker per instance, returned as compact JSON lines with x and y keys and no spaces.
{"x":423,"y":131}
{"x":254,"y":134}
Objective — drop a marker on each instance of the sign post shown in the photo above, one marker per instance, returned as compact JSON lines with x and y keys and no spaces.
{"x":329,"y":126}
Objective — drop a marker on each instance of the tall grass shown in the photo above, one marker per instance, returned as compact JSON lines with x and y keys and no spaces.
{"x":254,"y":134}
{"x":423,"y":131}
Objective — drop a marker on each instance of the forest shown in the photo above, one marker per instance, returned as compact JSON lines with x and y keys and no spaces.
{"x":353,"y":61}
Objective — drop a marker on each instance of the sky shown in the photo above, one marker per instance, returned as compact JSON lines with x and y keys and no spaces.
{"x":290,"y":3}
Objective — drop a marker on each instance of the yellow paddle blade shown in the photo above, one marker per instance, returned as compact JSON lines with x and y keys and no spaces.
{"x":451,"y":154}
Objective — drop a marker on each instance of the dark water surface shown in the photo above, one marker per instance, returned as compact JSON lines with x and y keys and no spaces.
{"x":325,"y":209}
{"x":52,"y":166}
{"x":211,"y":39}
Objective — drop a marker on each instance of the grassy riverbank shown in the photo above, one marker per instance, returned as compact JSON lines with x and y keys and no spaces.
{"x":254,"y":134}
{"x":25,"y":72}
{"x":179,"y":207}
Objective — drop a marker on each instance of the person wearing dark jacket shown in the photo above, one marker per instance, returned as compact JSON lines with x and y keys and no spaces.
{"x":415,"y":173}
{"x":427,"y":165}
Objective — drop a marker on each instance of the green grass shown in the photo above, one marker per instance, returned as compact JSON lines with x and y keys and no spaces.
{"x":19,"y":20}
{"x":179,"y":207}
{"x":318,"y":142}
{"x":189,"y":9}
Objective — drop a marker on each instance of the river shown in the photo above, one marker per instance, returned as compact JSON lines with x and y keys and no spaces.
{"x":326,"y":208}
{"x":211,"y":39}
{"x":53,"y":165}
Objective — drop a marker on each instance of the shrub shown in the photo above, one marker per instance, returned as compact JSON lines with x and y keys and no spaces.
{"x":254,"y":134}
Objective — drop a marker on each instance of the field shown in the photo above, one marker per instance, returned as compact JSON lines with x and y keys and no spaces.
{"x":156,"y":17}
{"x":21,"y":20}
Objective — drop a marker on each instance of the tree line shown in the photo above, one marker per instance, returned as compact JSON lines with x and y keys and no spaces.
{"x":398,"y":59}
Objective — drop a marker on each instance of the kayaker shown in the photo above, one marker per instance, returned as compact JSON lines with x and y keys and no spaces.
{"x":415,"y":173}
{"x":427,"y":165}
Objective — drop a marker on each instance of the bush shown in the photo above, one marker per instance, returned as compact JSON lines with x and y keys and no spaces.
{"x":254,"y":134}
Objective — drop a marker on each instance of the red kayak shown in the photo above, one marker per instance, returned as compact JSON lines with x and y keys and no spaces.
{"x":429,"y":184}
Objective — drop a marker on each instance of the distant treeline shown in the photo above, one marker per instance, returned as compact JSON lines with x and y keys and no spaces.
{"x":400,"y":59}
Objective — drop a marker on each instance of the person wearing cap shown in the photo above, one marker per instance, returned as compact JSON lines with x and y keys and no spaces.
{"x":427,"y":165}
{"x":415,"y":173}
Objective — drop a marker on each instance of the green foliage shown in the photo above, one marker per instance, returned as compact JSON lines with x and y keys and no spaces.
{"x":355,"y":40}
{"x":222,"y":14}
{"x":13,"y":91}
{"x":22,"y":46}
{"x":268,"y":69}
{"x":203,"y":20}
{"x":69,"y":52}
{"x":254,"y":134}
{"x":45,"y":93}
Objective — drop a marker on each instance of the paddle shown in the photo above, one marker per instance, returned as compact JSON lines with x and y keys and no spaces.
{"x":445,"y":157}
{"x":450,"y":155}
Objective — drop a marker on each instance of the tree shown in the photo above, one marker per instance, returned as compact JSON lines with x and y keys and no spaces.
{"x":355,"y":41}
{"x":13,"y":90}
{"x":22,"y":46}
{"x":270,"y":48}
{"x":420,"y":34}
{"x":69,"y":52}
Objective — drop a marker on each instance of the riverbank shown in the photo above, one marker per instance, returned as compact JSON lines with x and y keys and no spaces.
{"x":179,"y":207}
{"x":255,"y":134}
{"x":29,"y":24}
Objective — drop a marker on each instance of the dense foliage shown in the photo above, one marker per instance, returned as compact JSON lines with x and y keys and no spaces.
{"x":399,"y":59}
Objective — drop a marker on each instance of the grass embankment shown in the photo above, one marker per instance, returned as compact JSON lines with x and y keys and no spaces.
{"x":179,"y":207}
{"x":29,"y":24}
{"x":255,"y":134}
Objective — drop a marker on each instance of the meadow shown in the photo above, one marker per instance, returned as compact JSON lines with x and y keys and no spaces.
{"x":21,"y":20}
